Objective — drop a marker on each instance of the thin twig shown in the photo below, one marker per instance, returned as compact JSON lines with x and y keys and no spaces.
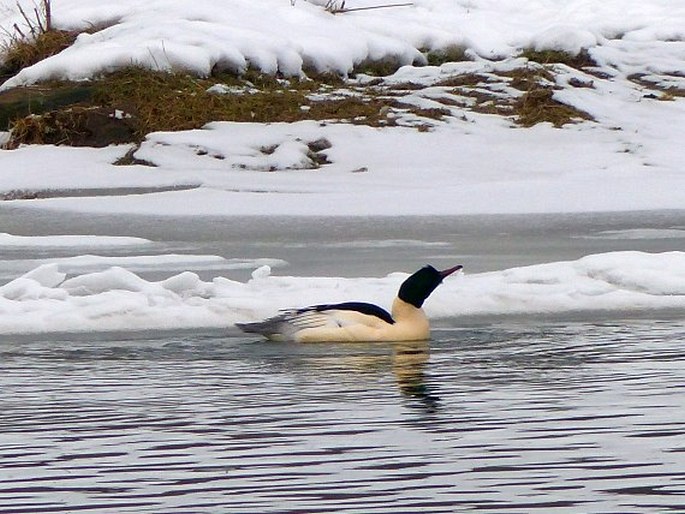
{"x":352,"y":9}
{"x":41,"y":29}
{"x":47,"y":7}
{"x":29,"y":23}
{"x":19,"y":31}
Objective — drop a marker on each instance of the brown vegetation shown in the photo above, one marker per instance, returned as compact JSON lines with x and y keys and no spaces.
{"x":20,"y":53}
{"x":127,"y":105}
{"x":538,"y":106}
{"x":581,"y":60}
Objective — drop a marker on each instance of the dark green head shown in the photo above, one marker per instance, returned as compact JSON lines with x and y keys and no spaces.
{"x":421,"y":284}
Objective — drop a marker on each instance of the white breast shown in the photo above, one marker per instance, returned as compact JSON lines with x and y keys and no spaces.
{"x":410,"y":324}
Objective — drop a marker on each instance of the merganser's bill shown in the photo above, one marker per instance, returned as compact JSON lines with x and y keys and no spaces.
{"x":358,"y":321}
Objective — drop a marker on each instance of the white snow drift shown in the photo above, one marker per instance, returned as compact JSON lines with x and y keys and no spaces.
{"x":45,"y":300}
{"x":284,"y":36}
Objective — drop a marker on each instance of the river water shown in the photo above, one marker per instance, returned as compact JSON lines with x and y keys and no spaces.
{"x":504,"y":417}
{"x":512,"y":415}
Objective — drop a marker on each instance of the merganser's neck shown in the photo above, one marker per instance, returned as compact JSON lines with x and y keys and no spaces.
{"x":411,"y":322}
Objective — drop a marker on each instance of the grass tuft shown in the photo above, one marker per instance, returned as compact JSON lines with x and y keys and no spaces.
{"x":538,"y":105}
{"x":582,"y":59}
{"x":33,"y":41}
{"x":530,"y":77}
{"x":453,"y":53}
{"x":379,"y":67}
{"x":20,"y":53}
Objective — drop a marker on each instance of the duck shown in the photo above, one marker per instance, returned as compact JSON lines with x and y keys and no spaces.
{"x":358,"y":321}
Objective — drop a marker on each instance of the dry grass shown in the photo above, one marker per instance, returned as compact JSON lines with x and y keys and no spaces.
{"x":34,"y":40}
{"x":380,"y":67}
{"x":579,"y":61}
{"x":452,"y":53}
{"x":538,"y":106}
{"x":164,"y":101}
{"x":659,"y":91}
{"x":149,"y":101}
{"x":20,"y":53}
{"x":464,"y":80}
{"x":127,"y":105}
{"x":530,"y":77}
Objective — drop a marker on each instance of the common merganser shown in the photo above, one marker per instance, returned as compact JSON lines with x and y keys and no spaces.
{"x":358,"y":321}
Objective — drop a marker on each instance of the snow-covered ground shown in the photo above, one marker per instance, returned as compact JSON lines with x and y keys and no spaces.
{"x":629,"y":158}
{"x":275,"y":35}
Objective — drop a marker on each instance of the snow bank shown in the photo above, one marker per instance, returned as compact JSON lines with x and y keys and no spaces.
{"x":68,"y":241}
{"x":276,"y":36}
{"x":81,"y":264}
{"x":628,"y":159}
{"x":78,"y":169}
{"x":466,"y":167}
{"x":44,"y":300}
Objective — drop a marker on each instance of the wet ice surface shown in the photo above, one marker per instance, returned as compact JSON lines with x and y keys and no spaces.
{"x":353,"y":246}
{"x":508,"y":416}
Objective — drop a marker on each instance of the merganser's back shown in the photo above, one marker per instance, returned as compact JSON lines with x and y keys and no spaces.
{"x":358,"y":321}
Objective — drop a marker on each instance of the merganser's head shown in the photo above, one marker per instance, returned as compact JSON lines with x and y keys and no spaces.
{"x":421,"y":284}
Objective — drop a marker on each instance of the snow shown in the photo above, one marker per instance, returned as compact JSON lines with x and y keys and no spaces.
{"x":461,"y":168}
{"x":640,"y":233}
{"x":71,"y":168}
{"x":69,"y":241}
{"x":629,"y":158}
{"x":274,"y":35}
{"x":160,"y":263}
{"x":44,"y":300}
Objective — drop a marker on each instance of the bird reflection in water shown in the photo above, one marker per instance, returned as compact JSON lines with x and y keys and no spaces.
{"x":408,"y":365}
{"x":406,"y":361}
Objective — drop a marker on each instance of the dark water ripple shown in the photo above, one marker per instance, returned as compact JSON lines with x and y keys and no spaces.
{"x":565,"y":418}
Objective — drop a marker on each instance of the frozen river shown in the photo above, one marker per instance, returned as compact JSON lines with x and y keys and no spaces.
{"x":361,"y":246}
{"x":571,"y":414}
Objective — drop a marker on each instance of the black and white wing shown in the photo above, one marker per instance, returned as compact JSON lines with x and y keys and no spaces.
{"x":288,"y":322}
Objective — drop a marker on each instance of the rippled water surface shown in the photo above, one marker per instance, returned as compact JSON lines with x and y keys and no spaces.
{"x":495,"y":417}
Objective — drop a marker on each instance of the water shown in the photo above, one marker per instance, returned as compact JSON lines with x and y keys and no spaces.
{"x":564,"y":416}
{"x":582,"y":414}
{"x":355,"y":247}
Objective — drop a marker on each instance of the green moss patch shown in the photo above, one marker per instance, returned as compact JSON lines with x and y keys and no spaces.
{"x":75,"y":126}
{"x":18,"y":103}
